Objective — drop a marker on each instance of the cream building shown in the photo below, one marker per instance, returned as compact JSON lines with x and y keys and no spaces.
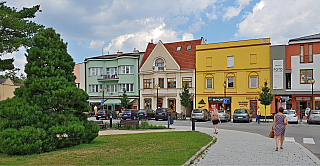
{"x":7,"y":87}
{"x":164,"y":69}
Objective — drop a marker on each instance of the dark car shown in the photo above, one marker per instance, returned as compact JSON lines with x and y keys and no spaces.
{"x":243,"y":115}
{"x":105,"y":114}
{"x":146,"y":114}
{"x":314,"y":116}
{"x":163,"y":113}
{"x":129,"y":114}
{"x":201,"y":114}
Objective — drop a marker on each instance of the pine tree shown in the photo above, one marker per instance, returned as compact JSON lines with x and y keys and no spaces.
{"x":15,"y":30}
{"x":185,"y":96}
{"x":124,"y":99}
{"x":265,"y":97}
{"x":51,"y":97}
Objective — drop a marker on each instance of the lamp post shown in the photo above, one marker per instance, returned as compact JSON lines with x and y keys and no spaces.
{"x":312,"y":82}
{"x":225,"y":86}
{"x":104,"y":90}
{"x":158,"y":87}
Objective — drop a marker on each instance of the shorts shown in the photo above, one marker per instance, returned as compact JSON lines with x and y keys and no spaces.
{"x":215,"y":122}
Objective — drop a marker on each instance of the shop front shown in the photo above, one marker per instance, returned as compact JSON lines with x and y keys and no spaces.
{"x":217,"y":102}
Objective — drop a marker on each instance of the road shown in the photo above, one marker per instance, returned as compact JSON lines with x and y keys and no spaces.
{"x":298,"y":132}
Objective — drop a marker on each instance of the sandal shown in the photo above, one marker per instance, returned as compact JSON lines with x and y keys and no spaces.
{"x":281,"y":147}
{"x":276,"y":148}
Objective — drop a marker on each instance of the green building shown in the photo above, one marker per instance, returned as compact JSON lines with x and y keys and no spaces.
{"x":107,"y":76}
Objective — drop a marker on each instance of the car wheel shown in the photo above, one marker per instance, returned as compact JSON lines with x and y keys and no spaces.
{"x":234,"y":121}
{"x":308,"y":122}
{"x":156,"y":119}
{"x":97,"y":118}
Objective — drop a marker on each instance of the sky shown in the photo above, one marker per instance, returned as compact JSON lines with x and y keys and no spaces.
{"x":91,"y":27}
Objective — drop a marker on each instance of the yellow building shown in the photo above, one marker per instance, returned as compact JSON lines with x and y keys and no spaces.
{"x":7,"y":87}
{"x":242,"y":66}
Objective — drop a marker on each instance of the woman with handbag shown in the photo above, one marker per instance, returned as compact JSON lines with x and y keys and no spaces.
{"x":215,"y":119}
{"x":279,"y":126}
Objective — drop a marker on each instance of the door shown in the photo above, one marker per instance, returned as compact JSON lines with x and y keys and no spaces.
{"x":253,"y":108}
{"x":172,"y":104}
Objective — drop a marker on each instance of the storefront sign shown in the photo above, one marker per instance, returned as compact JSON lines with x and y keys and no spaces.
{"x":218,"y":99}
{"x":277,"y":74}
{"x":317,"y":98}
{"x":243,"y":103}
{"x":303,"y":98}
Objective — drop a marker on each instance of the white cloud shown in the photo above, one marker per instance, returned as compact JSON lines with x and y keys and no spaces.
{"x":187,"y":36}
{"x":196,"y":26}
{"x":235,"y":11}
{"x":19,"y":60}
{"x":281,"y":21}
{"x":96,"y":44}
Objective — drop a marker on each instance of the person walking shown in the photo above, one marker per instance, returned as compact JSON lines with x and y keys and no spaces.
{"x":215,"y":119}
{"x":258,"y":115}
{"x":279,"y":126}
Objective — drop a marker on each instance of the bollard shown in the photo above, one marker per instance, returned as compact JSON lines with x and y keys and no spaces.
{"x":110,"y":121}
{"x":193,"y":123}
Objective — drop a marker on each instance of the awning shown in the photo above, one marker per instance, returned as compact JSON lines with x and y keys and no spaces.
{"x":94,"y":101}
{"x":112,"y":102}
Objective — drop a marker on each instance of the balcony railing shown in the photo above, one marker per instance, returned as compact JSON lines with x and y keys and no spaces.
{"x":109,"y":77}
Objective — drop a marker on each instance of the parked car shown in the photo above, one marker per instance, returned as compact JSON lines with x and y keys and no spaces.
{"x":146,"y":114}
{"x":162,"y":113}
{"x":105,"y":114}
{"x":224,"y":115}
{"x":201,"y":114}
{"x":291,"y":115}
{"x":242,"y":115}
{"x":314,"y":116}
{"x":129,"y":114}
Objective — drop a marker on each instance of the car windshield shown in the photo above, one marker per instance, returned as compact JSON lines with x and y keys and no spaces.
{"x":240,"y":111}
{"x":161,"y":110}
{"x":315,"y":112}
{"x":289,"y":112}
{"x":125,"y":112}
{"x":142,"y":111}
{"x":100,"y":111}
{"x":197,"y":111}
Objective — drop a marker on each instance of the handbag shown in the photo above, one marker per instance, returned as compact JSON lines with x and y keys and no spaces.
{"x":271,"y":135}
{"x":214,"y":117}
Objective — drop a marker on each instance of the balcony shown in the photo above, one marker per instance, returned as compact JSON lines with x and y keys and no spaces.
{"x":108,"y":78}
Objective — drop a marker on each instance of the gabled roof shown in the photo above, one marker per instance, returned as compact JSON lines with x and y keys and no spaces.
{"x":185,"y":59}
{"x":3,"y":80}
{"x":115,"y":55}
{"x":310,"y":37}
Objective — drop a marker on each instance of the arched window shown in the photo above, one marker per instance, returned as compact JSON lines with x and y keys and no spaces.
{"x":253,"y":80}
{"x":159,"y":62}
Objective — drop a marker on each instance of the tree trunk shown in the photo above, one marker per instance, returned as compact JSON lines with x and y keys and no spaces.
{"x":265,"y":113}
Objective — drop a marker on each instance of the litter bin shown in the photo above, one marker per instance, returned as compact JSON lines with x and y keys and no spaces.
{"x":171,"y":120}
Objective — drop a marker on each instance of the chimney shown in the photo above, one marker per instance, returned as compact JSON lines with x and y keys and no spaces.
{"x":119,"y":53}
{"x":135,"y":50}
{"x":151,"y":41}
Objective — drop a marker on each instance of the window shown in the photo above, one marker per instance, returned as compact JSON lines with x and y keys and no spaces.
{"x":288,"y":80}
{"x":209,"y":61}
{"x":253,"y":82}
{"x":179,"y":48}
{"x":230,"y":61}
{"x":310,"y":54}
{"x":126,"y":69}
{"x":112,"y":71}
{"x":209,"y":83}
{"x":147,"y":103}
{"x":147,"y":84}
{"x":189,"y":47}
{"x":111,"y":88}
{"x":159,"y":62}
{"x":301,"y":54}
{"x":306,"y":76}
{"x":171,"y":83}
{"x":161,"y":82}
{"x":188,"y":81}
{"x":96,"y":71}
{"x":127,"y":87}
{"x":231,"y":82}
{"x":95,"y":88}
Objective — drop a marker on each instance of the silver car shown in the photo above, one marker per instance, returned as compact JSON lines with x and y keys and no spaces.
{"x":291,"y":116}
{"x":314,"y":116}
{"x":201,"y":114}
{"x":224,"y":115}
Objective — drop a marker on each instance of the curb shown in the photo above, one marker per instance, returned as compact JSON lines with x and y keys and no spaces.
{"x":314,"y":158}
{"x":201,"y":151}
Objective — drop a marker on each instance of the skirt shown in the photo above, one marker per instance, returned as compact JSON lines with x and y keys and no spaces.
{"x":215,"y":122}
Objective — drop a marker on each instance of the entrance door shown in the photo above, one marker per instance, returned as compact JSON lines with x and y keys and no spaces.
{"x":172,"y":104}
{"x":253,"y":108}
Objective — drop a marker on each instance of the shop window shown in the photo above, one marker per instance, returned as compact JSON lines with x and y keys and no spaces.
{"x":306,"y":76}
{"x":171,"y":83}
{"x":187,"y":81}
{"x":147,"y":84}
{"x":288,"y":80}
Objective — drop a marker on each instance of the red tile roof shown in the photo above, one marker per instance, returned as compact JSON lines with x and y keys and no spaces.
{"x":185,"y":59}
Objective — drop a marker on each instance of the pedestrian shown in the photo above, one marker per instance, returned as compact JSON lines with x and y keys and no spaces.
{"x":258,"y":115}
{"x":279,"y":126}
{"x":215,"y":119}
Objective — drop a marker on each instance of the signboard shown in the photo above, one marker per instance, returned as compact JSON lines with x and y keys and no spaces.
{"x":277,"y":74}
{"x":225,"y":100}
{"x":218,"y":99}
{"x":102,"y":102}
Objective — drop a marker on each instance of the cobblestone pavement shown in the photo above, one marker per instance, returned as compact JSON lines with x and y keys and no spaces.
{"x":243,"y":148}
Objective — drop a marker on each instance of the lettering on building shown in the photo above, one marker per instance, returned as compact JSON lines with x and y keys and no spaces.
{"x":243,"y":103}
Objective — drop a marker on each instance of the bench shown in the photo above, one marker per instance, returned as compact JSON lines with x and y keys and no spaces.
{"x":129,"y":122}
{"x":101,"y":124}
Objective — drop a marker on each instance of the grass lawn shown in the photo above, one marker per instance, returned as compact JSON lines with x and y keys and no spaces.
{"x":167,"y":148}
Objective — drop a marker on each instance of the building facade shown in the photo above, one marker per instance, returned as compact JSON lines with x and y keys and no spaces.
{"x":108,"y":76}
{"x":79,"y":72}
{"x":7,"y":87}
{"x":164,"y":69}
{"x":234,"y":70}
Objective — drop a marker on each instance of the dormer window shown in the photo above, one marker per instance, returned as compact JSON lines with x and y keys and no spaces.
{"x":179,"y":48}
{"x":189,"y":47}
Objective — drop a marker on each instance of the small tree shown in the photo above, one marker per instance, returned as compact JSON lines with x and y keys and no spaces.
{"x":124,"y":99}
{"x":265,"y":98}
{"x":185,"y":97}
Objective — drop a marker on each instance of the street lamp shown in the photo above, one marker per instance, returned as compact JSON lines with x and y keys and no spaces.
{"x":225,"y":86}
{"x":312,"y":82}
{"x":104,"y":90}
{"x":158,"y":87}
